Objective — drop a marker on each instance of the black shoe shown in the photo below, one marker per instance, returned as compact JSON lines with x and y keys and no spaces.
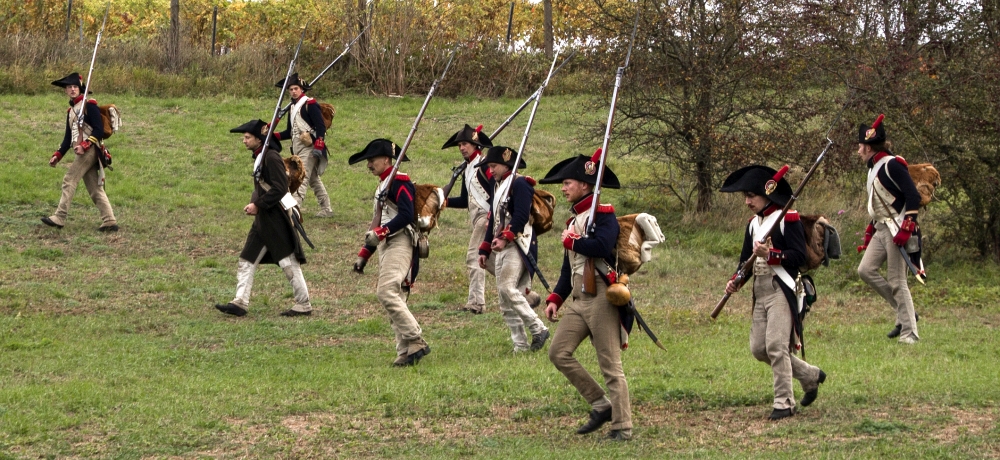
{"x":619,"y":435}
{"x":538,"y":340}
{"x":811,"y":394}
{"x":109,"y":228}
{"x":231,"y":309}
{"x":779,"y":414}
{"x":50,"y":223}
{"x":596,"y":420}
{"x":296,"y":313}
{"x":895,"y":331}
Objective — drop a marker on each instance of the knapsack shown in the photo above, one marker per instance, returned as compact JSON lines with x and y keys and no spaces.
{"x":822,"y":241}
{"x":542,"y":206}
{"x":112,"y":119}
{"x":328,"y":113}
{"x":637,"y":236}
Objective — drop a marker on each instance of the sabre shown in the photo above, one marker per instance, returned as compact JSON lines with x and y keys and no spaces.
{"x":742,"y":274}
{"x":643,"y":325}
{"x":906,"y":257}
{"x":93,"y":59}
{"x":277,"y":107}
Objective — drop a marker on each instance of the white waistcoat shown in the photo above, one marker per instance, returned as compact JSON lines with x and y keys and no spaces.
{"x":759,"y":229}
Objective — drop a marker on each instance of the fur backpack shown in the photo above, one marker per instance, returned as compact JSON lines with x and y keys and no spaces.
{"x":296,"y":172}
{"x":926,"y":178}
{"x":112,"y":119}
{"x":822,"y":241}
{"x":427,"y":206}
{"x":637,"y":236}
{"x":542,"y":208}
{"x":328,"y":112}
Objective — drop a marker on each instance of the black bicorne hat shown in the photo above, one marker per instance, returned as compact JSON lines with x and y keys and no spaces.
{"x":760,"y":180}
{"x":472,"y":136}
{"x":583,"y":169}
{"x":258,"y":128}
{"x":71,"y":79}
{"x":502,"y":155}
{"x":377,"y":148}
{"x":874,"y":134}
{"x":293,"y":80}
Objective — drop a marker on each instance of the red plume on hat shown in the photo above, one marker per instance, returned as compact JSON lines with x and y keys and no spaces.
{"x":773,"y":183}
{"x":872,"y":131}
{"x":479,"y":128}
{"x":878,"y":121}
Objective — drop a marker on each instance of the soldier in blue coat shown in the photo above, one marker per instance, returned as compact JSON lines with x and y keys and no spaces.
{"x":395,"y":240}
{"x":585,"y":314}
{"x":510,"y":239}
{"x":776,"y":330}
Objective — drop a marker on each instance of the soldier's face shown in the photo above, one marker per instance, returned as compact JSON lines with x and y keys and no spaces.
{"x":498,"y":169}
{"x":865,"y":152}
{"x":573,"y":190}
{"x":72,"y":91}
{"x":250,"y":141}
{"x":378,"y":165}
{"x":755,"y":202}
{"x":467,"y":149}
{"x":295,"y":91}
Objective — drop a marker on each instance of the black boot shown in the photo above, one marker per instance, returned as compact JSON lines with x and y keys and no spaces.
{"x":596,"y":420}
{"x":899,"y":328}
{"x":231,"y":309}
{"x":811,"y":394}
{"x":778,"y":414}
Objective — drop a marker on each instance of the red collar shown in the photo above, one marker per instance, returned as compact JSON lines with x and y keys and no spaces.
{"x":770,"y":209}
{"x":385,"y":174}
{"x":583,"y":204}
{"x":876,"y":158}
{"x":75,"y":100}
{"x":474,"y":155}
{"x":506,"y":175}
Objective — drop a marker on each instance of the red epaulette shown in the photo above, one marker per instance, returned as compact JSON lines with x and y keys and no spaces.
{"x":92,"y":101}
{"x":402,"y":176}
{"x":532,"y":182}
{"x":605,"y":209}
{"x":902,"y":161}
{"x":792,"y":216}
{"x":310,"y":101}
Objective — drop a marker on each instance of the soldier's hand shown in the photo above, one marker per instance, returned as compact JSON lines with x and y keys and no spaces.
{"x":762,"y":250}
{"x":55,"y":159}
{"x":78,"y":149}
{"x":498,"y":244}
{"x":731,"y":287}
{"x":551,"y":310}
{"x":482,"y":261}
{"x":250,"y":209}
{"x":359,"y":265}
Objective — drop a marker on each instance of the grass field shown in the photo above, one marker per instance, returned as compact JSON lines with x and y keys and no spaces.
{"x":110,"y":346}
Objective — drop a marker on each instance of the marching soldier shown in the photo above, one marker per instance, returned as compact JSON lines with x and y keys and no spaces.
{"x":510,"y":239}
{"x":893,"y":204}
{"x":476,"y":195}
{"x":777,"y":325}
{"x":394,"y":239}
{"x":589,"y":315}
{"x":307,"y":131}
{"x":85,"y":141}
{"x":272,"y":237}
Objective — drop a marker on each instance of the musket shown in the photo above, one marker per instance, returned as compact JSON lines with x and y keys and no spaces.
{"x":277,"y":107}
{"x":742,"y":274}
{"x":505,"y":198}
{"x":377,"y":218}
{"x":589,"y":280}
{"x":93,"y":59}
{"x":347,"y":48}
{"x":906,"y":257}
{"x":458,"y":170}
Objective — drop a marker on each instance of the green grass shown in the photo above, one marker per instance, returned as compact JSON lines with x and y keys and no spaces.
{"x":110,"y":347}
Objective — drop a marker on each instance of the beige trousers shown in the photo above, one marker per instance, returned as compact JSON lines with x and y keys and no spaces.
{"x":246,"y":269}
{"x":395,"y":255}
{"x":592,"y":316}
{"x":512,"y":281}
{"x":769,"y":340}
{"x":84,"y":167}
{"x":477,"y":276}
{"x":893,"y":288}
{"x":313,"y":181}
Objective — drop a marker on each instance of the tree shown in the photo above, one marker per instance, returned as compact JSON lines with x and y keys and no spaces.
{"x":715,"y":85}
{"x":547,"y":27}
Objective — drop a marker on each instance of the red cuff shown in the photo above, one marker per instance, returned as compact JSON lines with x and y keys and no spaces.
{"x":507,"y":234}
{"x":485,"y":246}
{"x":318,"y":144}
{"x":85,"y":144}
{"x":775,"y":257}
{"x":554,"y":298}
{"x":364,"y":253}
{"x":568,"y":241}
{"x":908,"y":226}
{"x":381,"y":232}
{"x":277,"y":135}
{"x":58,"y":154}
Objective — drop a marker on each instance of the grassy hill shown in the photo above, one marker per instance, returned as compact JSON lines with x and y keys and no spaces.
{"x":110,"y":346}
